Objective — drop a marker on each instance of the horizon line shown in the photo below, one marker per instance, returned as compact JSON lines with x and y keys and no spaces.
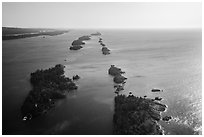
{"x":103,"y":27}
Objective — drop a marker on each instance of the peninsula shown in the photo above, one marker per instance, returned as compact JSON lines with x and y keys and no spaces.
{"x":9,"y":33}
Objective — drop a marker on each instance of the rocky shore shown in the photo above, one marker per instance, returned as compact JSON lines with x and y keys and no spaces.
{"x":47,"y":86}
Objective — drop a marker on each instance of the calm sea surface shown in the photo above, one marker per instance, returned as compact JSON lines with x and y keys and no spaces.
{"x":167,"y":59}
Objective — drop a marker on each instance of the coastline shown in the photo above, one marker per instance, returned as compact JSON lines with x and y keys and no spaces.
{"x":10,"y":33}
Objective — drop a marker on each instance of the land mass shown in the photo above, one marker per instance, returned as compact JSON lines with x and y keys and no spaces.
{"x":117,"y":74}
{"x":96,"y":34}
{"x":137,"y":116}
{"x":48,"y":86}
{"x":76,"y":44}
{"x":9,"y":33}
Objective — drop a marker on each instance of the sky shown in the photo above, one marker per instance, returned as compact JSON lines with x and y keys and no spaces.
{"x":102,"y":15}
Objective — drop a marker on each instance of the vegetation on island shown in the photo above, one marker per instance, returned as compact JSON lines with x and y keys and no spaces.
{"x":47,"y":86}
{"x":105,"y":50}
{"x":117,"y":74}
{"x":137,"y":116}
{"x":76,"y":44}
{"x":119,"y":80}
{"x":84,"y":38}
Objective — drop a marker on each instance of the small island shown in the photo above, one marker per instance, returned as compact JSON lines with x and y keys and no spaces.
{"x":113,"y":71}
{"x":158,"y":98}
{"x":156,"y":90}
{"x":105,"y":51}
{"x":118,"y":79}
{"x":96,"y":34}
{"x":76,"y":44}
{"x":47,"y":86}
{"x":102,"y":44}
{"x":100,"y":40}
{"x":84,"y":38}
{"x":137,"y":116}
{"x":117,"y":73}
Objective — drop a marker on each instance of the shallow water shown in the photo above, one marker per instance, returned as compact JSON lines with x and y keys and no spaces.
{"x":165,"y":59}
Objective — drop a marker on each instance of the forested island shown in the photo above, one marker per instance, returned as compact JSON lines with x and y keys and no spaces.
{"x":76,"y":44}
{"x":47,"y":86}
{"x":137,"y":116}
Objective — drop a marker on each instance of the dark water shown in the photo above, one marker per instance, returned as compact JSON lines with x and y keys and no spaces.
{"x":170,"y":60}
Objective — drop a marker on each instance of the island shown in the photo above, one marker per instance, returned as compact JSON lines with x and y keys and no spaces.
{"x":100,"y":40}
{"x":82,"y":38}
{"x":118,"y":79}
{"x":137,"y":116}
{"x":96,"y":34}
{"x":76,"y":44}
{"x":156,"y":90}
{"x":47,"y":86}
{"x":114,"y":71}
{"x":102,"y":44}
{"x":105,"y":51}
{"x":158,"y":98}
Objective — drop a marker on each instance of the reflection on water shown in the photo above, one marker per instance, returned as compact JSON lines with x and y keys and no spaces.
{"x":169,"y":60}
